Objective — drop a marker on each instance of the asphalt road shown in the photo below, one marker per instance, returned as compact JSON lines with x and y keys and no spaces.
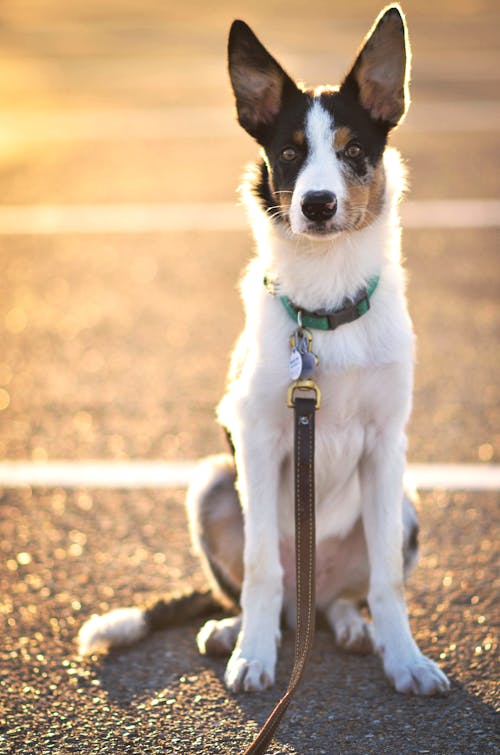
{"x":114,"y":346}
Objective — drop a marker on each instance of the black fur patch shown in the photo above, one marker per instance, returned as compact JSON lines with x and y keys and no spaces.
{"x":276,"y":177}
{"x":369,"y":134}
{"x":410,"y":548}
{"x":180,"y":609}
{"x":413,"y":539}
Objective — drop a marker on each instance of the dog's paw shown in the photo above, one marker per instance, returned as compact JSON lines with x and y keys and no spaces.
{"x":352,"y":633}
{"x":356,"y":637}
{"x":218,"y":637}
{"x":248,"y":674}
{"x":419,"y":676}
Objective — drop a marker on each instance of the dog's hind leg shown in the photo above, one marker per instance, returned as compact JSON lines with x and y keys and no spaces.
{"x":352,"y":632}
{"x":216,"y":524}
{"x":217,"y":530}
{"x":410,"y":533}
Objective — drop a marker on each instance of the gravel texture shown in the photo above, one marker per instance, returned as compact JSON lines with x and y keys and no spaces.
{"x":67,"y":555}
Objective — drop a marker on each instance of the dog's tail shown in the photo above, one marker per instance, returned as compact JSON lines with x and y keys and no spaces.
{"x":124,"y":626}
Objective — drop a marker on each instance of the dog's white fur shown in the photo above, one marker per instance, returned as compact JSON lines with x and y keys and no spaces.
{"x":365,"y":377}
{"x":122,"y":626}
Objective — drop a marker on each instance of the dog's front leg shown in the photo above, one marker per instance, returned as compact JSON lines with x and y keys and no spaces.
{"x":382,"y":480}
{"x":252,"y":664}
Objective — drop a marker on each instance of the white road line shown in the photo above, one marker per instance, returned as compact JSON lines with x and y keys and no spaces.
{"x":121,"y":218}
{"x":214,"y":216}
{"x":451,"y":213}
{"x":134,"y":124}
{"x":455,"y":476}
{"x":161,"y":474}
{"x":97,"y":474}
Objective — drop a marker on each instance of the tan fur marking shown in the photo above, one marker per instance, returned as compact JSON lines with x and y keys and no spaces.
{"x":299,"y":138}
{"x":285,"y":200}
{"x":341,"y":138}
{"x":377,"y":191}
{"x":365,"y":200}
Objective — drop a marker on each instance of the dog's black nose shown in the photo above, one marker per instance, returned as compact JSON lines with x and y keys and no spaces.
{"x":319,"y":205}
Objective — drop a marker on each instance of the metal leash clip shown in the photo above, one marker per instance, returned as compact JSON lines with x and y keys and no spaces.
{"x":303,"y":385}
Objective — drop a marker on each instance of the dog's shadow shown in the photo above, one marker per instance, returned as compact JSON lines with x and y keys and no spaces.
{"x":150,"y":669}
{"x":342,"y":697}
{"x":158,"y":663}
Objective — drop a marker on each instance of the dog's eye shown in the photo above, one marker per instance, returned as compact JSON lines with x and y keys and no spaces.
{"x":288,"y":154}
{"x":353,"y":150}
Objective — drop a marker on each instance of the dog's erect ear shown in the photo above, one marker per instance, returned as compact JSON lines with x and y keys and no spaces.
{"x":259,"y":82}
{"x":380,"y":75}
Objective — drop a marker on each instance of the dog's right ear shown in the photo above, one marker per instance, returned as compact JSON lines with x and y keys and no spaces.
{"x":259,"y":82}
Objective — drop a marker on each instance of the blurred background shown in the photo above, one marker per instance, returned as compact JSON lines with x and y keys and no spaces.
{"x":121,"y":245}
{"x":117,"y":314}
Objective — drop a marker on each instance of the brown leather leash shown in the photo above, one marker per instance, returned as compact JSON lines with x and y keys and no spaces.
{"x":304,"y":411}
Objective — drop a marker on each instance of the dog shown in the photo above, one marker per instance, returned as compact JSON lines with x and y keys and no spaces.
{"x":322,"y":202}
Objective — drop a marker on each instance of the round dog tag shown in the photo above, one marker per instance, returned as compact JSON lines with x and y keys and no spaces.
{"x":309,"y":363}
{"x":295,"y":364}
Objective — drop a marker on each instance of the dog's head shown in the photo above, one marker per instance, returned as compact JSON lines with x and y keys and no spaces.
{"x":322,"y":170}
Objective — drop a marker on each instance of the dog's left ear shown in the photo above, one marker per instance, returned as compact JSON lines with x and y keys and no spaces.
{"x":380,"y":75}
{"x":259,"y":82}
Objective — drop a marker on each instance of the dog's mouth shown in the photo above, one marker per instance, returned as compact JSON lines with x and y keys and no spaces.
{"x":318,"y":229}
{"x":325,"y":229}
{"x":321,"y":229}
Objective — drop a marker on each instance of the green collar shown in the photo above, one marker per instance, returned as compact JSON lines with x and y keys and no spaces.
{"x":330,"y":320}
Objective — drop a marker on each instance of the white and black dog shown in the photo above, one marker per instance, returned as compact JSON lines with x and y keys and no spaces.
{"x":323,"y":206}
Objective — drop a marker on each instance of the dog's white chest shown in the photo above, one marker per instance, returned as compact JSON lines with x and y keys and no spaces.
{"x":343,"y":429}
